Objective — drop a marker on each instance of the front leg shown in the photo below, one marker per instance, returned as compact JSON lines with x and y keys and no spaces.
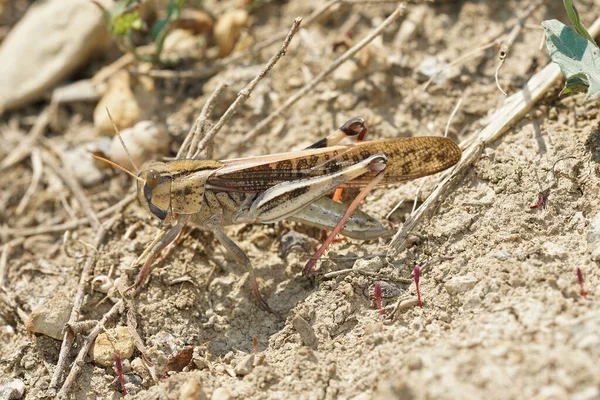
{"x":241,"y":257}
{"x":162,"y":240}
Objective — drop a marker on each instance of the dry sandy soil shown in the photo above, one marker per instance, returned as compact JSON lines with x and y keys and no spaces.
{"x":502,"y":315}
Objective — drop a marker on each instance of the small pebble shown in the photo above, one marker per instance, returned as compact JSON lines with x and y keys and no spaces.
{"x":191,"y":390}
{"x":12,"y":390}
{"x":460,"y":284}
{"x":245,"y":366}
{"x":127,"y":99}
{"x":306,"y":332}
{"x":82,"y":165}
{"x":106,"y":346}
{"x":227,"y":30}
{"x":45,"y":46}
{"x":595,"y":256}
{"x":142,"y":140}
{"x":221,"y":394}
{"x":50,"y":318}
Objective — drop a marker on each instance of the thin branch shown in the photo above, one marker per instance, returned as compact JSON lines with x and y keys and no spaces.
{"x":69,"y":335}
{"x":78,"y":363}
{"x":36,"y":165}
{"x":73,"y":185}
{"x":262,"y":125}
{"x":39,"y":230}
{"x":24,"y":149}
{"x":193,"y":137}
{"x":512,"y":36}
{"x":456,"y":107}
{"x":245,"y":92}
{"x":6,"y":249}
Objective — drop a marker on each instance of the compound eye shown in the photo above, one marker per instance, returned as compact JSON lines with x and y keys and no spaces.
{"x":153,"y":178}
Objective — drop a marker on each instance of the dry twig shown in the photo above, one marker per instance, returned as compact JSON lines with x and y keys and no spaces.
{"x":262,"y":125}
{"x":39,"y":230}
{"x":512,"y":36}
{"x":69,"y":335}
{"x":36,"y":164}
{"x":6,"y":249}
{"x":245,"y":92}
{"x":85,"y":348}
{"x":198,"y":127}
{"x":24,"y":149}
{"x":73,"y":185}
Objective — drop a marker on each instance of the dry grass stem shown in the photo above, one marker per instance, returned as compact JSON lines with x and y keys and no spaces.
{"x":70,"y":181}
{"x":40,"y":230}
{"x":37,"y":166}
{"x":512,"y":36}
{"x":190,"y":144}
{"x":69,"y":335}
{"x":245,"y":92}
{"x":24,"y":149}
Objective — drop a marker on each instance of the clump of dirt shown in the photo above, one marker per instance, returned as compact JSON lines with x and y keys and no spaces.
{"x":502,"y":315}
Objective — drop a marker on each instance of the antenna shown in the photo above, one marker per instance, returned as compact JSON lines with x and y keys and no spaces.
{"x":122,"y":144}
{"x":118,"y":167}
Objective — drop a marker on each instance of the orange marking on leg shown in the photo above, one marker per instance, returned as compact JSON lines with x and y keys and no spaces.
{"x":308,"y":268}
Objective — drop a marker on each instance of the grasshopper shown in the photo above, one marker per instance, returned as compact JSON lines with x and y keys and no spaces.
{"x":293,"y":186}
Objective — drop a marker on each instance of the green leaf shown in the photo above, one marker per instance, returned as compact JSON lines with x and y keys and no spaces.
{"x":576,"y":84}
{"x":123,"y":23}
{"x":574,"y":17}
{"x":574,"y":55}
{"x":173,"y":11}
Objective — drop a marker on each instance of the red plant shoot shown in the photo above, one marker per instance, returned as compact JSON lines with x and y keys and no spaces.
{"x":119,"y":368}
{"x":255,"y":344}
{"x":580,"y":279}
{"x":541,"y":201}
{"x":417,"y":275}
{"x":378,"y":297}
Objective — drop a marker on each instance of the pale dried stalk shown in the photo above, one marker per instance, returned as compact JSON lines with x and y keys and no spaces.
{"x":262,"y":125}
{"x":24,"y":149}
{"x":512,"y":36}
{"x":245,"y":92}
{"x":193,"y":137}
{"x":85,"y":348}
{"x":73,"y":185}
{"x":503,"y":119}
{"x":6,"y":249}
{"x":69,"y":335}
{"x":39,"y":230}
{"x":36,"y":164}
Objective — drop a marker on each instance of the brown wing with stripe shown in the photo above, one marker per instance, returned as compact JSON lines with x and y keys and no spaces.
{"x":407,"y":158}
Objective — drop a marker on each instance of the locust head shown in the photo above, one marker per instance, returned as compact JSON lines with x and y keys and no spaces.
{"x":154,"y":183}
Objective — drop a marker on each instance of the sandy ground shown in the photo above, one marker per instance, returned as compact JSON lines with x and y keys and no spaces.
{"x":502,"y":316}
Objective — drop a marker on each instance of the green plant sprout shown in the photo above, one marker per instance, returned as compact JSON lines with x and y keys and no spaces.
{"x":123,"y":20}
{"x":575,"y":52}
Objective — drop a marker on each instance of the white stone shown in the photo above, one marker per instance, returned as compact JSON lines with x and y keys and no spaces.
{"x":142,"y":140}
{"x":245,"y":366}
{"x":221,"y":394}
{"x":460,"y":284}
{"x":45,"y":46}
{"x":594,"y":232}
{"x":12,"y":390}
